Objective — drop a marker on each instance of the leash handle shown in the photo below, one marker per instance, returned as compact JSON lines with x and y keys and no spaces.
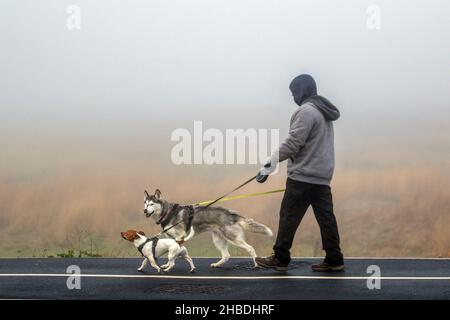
{"x":261,"y":178}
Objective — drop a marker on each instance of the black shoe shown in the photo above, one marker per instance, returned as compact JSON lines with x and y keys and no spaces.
{"x":326,"y":267}
{"x":271,"y":262}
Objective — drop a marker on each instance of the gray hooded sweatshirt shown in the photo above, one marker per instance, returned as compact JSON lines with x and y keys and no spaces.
{"x":309,"y":147}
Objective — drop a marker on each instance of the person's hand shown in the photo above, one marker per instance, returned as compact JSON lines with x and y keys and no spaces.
{"x":265,"y":171}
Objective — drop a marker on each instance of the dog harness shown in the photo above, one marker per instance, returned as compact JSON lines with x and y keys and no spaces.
{"x":154,"y":243}
{"x":174,"y":211}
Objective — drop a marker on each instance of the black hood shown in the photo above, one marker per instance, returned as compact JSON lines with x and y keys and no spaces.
{"x":304,"y":89}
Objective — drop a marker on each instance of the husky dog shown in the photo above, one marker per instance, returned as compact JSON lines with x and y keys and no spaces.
{"x":225,"y":225}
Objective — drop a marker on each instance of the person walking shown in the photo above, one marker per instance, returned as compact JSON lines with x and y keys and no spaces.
{"x":309,"y":149}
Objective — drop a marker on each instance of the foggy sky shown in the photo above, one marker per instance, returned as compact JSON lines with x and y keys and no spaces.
{"x":137,"y":70}
{"x":193,"y":58}
{"x":101,"y":102}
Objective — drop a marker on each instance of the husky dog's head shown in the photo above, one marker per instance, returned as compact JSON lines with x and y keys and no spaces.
{"x":153,"y":205}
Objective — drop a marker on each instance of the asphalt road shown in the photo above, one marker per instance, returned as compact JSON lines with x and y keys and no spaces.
{"x":112,"y":278}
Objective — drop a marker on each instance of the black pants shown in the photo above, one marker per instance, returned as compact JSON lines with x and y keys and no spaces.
{"x":297,"y":198}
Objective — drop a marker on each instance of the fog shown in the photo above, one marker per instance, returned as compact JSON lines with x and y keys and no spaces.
{"x":86,"y":115}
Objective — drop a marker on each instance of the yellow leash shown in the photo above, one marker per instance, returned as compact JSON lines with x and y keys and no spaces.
{"x":242,"y":196}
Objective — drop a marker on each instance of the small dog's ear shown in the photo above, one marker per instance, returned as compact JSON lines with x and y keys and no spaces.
{"x":146,"y":194}
{"x":141,"y":233}
{"x":157,"y":194}
{"x":138,"y":235}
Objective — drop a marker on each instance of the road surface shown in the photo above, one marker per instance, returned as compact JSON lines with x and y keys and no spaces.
{"x":114,"y":278}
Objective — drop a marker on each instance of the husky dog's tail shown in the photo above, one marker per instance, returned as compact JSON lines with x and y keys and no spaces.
{"x":253,"y":226}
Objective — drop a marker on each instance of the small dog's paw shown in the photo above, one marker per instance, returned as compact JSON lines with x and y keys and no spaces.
{"x":164,"y":266}
{"x":193,"y":270}
{"x":140,"y":269}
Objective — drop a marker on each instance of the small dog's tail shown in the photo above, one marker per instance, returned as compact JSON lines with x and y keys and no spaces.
{"x":253,"y":226}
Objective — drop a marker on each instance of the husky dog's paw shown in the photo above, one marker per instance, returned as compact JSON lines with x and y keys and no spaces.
{"x":164,"y":266}
{"x":193,"y":270}
{"x":216,"y":265}
{"x":140,"y":269}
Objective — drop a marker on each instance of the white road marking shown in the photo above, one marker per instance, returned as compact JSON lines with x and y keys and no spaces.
{"x":244,"y":257}
{"x":281,"y":277}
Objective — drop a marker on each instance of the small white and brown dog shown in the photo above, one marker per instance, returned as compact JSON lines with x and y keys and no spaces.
{"x":151,"y":248}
